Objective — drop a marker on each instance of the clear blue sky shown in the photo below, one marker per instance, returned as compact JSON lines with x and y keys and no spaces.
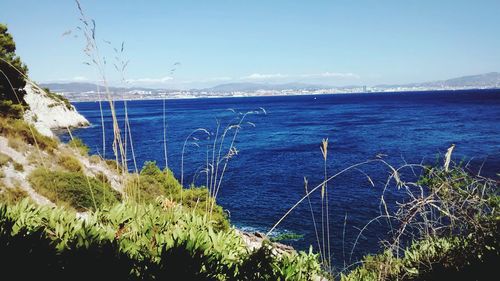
{"x":330,"y":42}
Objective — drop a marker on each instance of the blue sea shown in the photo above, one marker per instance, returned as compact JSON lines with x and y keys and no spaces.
{"x":278,"y":149}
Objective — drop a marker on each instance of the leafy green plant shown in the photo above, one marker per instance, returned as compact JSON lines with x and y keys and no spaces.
{"x":198,"y":199}
{"x":132,"y":241}
{"x":265,"y":263}
{"x":455,"y":258}
{"x":151,"y":183}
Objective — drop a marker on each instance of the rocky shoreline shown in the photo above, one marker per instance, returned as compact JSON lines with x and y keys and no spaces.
{"x":254,"y":240}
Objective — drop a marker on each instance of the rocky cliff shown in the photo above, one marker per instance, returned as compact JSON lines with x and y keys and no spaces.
{"x":47,"y":112}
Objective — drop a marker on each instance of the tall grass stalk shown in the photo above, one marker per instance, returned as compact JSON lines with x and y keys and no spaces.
{"x":125,"y":130}
{"x":324,"y":206}
{"x":88,"y":29}
{"x":136,"y":196}
{"x":165,"y":150}
{"x":212,"y":165}
{"x":324,"y":151}
{"x":231,"y":152}
{"x":343,"y":239}
{"x":188,"y":138}
{"x":313,"y":220}
{"x":102,"y":122}
{"x":316,"y":188}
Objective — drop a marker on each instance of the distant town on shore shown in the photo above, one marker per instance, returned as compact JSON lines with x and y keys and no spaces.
{"x":92,"y":92}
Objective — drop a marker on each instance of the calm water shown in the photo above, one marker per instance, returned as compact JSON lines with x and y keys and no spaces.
{"x":266,"y":177}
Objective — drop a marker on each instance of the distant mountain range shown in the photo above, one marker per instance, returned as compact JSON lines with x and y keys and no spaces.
{"x":487,"y":80}
{"x":251,"y":87}
{"x":76,"y":87}
{"x":491,"y":79}
{"x":79,"y":87}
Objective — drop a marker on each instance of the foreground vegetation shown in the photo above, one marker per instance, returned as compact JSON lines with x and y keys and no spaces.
{"x":452,"y":225}
{"x":450,"y":258}
{"x":131,"y":241}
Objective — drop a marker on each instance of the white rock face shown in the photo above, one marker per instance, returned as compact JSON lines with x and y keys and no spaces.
{"x":47,"y":114}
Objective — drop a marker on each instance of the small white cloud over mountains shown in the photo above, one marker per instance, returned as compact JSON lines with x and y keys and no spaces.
{"x":79,"y":78}
{"x":259,"y":76}
{"x":216,"y":79}
{"x":277,"y":76}
{"x":161,"y":80}
{"x":326,"y":78}
{"x":333,"y":75}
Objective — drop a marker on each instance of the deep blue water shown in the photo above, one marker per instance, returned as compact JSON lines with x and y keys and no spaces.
{"x":266,"y":177}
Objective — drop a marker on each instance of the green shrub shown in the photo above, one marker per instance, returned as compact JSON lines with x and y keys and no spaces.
{"x":16,"y":128}
{"x":164,"y":178}
{"x":12,"y":195}
{"x":78,"y":144}
{"x":152,"y":183}
{"x":143,"y":189}
{"x":73,"y":188}
{"x":70,"y":163}
{"x":197,"y":199}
